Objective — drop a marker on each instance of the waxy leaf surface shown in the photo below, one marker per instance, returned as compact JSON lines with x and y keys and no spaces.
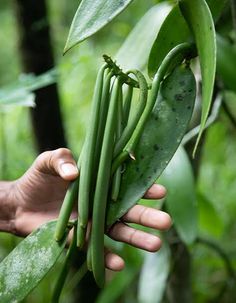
{"x":153,"y":276}
{"x":181,"y":198}
{"x":174,"y":31}
{"x":28,"y":263}
{"x":199,"y":19}
{"x":161,"y":137}
{"x":135,"y":50}
{"x":91,"y":16}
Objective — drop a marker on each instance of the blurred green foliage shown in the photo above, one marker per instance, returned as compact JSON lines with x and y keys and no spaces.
{"x":77,"y":70}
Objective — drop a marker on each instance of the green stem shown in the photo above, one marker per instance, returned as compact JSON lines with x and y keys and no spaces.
{"x":89,"y":256}
{"x":117,"y":71}
{"x":64,"y":270}
{"x":228,"y":264}
{"x":66,"y":210}
{"x":127,"y":105}
{"x":101,"y":191}
{"x":77,"y":278}
{"x":117,"y":176}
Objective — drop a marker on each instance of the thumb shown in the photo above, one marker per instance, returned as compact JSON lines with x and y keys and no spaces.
{"x":57,"y":162}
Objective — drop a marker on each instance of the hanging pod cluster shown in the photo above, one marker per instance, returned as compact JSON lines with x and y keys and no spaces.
{"x":126,"y":149}
{"x":111,"y":146}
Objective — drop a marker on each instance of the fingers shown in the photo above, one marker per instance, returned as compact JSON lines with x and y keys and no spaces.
{"x":58,"y":162}
{"x":114,"y":262}
{"x":149,"y":217}
{"x":124,"y":233}
{"x":156,"y":191}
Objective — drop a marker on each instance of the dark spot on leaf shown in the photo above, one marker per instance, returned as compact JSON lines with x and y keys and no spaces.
{"x":141,"y":175}
{"x":156,"y":147}
{"x":190,"y":90}
{"x":149,"y":177}
{"x":188,"y":107}
{"x":142,"y":157}
{"x":181,"y":83}
{"x":137,"y":169}
{"x":179,"y":97}
{"x":173,"y":109}
{"x":121,"y":2}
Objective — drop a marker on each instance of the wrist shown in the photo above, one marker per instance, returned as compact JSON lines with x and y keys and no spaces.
{"x":7,"y":206}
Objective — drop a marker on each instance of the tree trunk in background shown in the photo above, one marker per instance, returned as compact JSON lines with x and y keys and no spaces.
{"x":37,"y":57}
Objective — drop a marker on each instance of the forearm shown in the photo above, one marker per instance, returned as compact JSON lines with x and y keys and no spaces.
{"x":7,"y":206}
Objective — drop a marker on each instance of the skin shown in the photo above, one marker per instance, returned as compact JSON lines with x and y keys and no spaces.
{"x":35,"y":198}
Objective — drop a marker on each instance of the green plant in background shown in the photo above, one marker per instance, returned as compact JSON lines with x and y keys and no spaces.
{"x":150,"y":140}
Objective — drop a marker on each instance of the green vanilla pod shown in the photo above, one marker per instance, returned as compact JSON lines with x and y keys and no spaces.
{"x":87,"y":161}
{"x":159,"y":140}
{"x":101,"y":190}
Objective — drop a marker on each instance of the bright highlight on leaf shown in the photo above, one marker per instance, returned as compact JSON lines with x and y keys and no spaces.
{"x":154,"y":275}
{"x":199,"y":19}
{"x":91,"y":16}
{"x":28,"y":263}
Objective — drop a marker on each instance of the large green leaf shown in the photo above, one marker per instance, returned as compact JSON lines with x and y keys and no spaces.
{"x":181,"y":198}
{"x":28,"y":263}
{"x":135,"y":50}
{"x":153,"y":276}
{"x":161,"y":137}
{"x":199,"y":19}
{"x":91,"y":16}
{"x":173,"y":31}
{"x":216,"y":7}
{"x":226,"y":55}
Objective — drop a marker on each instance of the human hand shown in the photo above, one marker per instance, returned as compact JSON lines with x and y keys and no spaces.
{"x":38,"y":195}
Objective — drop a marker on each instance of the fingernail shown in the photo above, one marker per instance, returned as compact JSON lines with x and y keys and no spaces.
{"x":161,"y":188}
{"x":69,"y":169}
